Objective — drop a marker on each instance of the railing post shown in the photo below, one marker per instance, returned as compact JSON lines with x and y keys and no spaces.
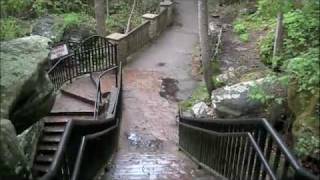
{"x":122,"y":44}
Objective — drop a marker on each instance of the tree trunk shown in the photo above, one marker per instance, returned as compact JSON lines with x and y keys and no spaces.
{"x":278,"y":41}
{"x":204,"y":46}
{"x":107,"y":9}
{"x":130,"y":17}
{"x":100,"y":7}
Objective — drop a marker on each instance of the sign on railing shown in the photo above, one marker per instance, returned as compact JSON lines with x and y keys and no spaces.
{"x":58,"y":51}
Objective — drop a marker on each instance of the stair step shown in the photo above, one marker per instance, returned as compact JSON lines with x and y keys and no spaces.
{"x":58,"y":129}
{"x":56,"y":121}
{"x":51,"y":138}
{"x":48,"y":148}
{"x":84,"y":99}
{"x":41,"y":168}
{"x":44,"y":158}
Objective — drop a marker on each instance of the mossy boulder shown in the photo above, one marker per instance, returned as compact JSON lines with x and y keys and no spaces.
{"x":27,"y":94}
{"x":13,"y":164}
{"x":28,"y":141}
{"x":49,"y":27}
{"x":305,"y":109}
{"x":235,"y":102}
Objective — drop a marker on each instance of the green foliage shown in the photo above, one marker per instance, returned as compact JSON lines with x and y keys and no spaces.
{"x":257,"y":92}
{"x":13,"y":7}
{"x":41,"y":7}
{"x":307,"y":144}
{"x":271,"y":8}
{"x":302,"y":31}
{"x":74,"y":19}
{"x":305,"y":69}
{"x":11,"y":28}
{"x":19,"y":8}
{"x":119,"y":14}
{"x":200,"y":94}
{"x":241,"y":29}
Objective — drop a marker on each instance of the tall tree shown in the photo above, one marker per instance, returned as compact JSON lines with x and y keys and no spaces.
{"x":204,"y":46}
{"x":100,"y":11}
{"x":130,"y":17}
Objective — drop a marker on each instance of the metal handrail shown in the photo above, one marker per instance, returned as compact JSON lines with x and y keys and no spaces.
{"x":261,"y":135}
{"x":89,"y":126}
{"x":98,"y":92}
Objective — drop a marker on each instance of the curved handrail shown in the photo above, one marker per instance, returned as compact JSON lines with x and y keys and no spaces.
{"x":102,"y":55}
{"x":93,"y":125}
{"x":251,"y":126}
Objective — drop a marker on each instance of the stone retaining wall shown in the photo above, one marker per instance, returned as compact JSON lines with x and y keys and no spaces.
{"x":152,"y":26}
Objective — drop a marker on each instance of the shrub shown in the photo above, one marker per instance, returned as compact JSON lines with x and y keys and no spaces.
{"x":10,"y":28}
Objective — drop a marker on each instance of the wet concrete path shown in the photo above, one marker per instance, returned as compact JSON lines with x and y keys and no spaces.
{"x":154,"y":81}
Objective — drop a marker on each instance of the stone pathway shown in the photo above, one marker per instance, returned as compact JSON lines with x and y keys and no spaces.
{"x":155,"y":80}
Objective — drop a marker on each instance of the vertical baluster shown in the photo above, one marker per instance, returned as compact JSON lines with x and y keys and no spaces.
{"x":268,"y":153}
{"x":240,"y":155}
{"x":101,"y":54}
{"x":287,"y":174}
{"x":212,"y":151}
{"x":222,"y":151}
{"x":85,"y":58}
{"x":253,"y":155}
{"x":228,"y":162}
{"x":249,"y":161}
{"x":262,"y":143}
{"x":110,"y":54}
{"x":225,"y":155}
{"x":244,"y":162}
{"x":81,"y":60}
{"x":217,"y":150}
{"x":235,"y":156}
{"x":276,"y":161}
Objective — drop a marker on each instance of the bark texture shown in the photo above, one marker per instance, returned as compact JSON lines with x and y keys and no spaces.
{"x":204,"y":45}
{"x":100,"y":12}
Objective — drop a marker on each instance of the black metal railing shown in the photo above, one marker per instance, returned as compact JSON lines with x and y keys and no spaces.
{"x":82,"y":138}
{"x":91,"y":55}
{"x":239,"y":149}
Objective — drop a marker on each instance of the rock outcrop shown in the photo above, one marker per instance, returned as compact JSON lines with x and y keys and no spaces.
{"x":234,"y":101}
{"x":54,"y":28}
{"x":13,"y":164}
{"x":27,"y":94}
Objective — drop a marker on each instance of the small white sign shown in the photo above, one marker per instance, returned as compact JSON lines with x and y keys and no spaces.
{"x":59,"y":51}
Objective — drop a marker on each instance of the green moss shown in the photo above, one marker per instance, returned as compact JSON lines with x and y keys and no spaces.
{"x":199,"y":94}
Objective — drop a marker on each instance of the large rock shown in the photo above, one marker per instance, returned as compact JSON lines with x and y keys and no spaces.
{"x":54,"y":28}
{"x":28,"y":141}
{"x":78,"y":32}
{"x":13,"y":164}
{"x":49,"y":26}
{"x":26,"y":92}
{"x":234,"y":101}
{"x":200,"y":110}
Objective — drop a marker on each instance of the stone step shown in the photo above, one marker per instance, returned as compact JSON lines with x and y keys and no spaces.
{"x":44,"y":158}
{"x":51,"y":138}
{"x":41,"y":168}
{"x":54,"y":129}
{"x":48,"y":147}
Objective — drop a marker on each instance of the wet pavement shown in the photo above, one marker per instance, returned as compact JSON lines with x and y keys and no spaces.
{"x":154,"y":81}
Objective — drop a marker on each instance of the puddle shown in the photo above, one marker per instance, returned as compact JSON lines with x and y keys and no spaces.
{"x":160,"y":64}
{"x":169,"y":89}
{"x":144,"y":141}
